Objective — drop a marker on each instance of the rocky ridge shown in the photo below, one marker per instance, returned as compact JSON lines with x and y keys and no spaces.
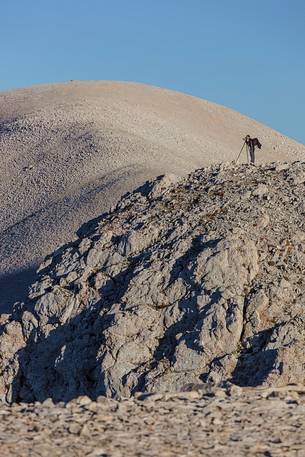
{"x":186,"y":281}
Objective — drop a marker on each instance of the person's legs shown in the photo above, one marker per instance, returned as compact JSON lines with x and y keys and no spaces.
{"x":252,"y":155}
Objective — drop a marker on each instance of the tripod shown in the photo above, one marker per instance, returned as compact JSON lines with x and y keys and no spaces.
{"x":245,"y":144}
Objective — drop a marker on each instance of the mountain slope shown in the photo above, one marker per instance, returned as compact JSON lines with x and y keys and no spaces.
{"x":69,"y":151}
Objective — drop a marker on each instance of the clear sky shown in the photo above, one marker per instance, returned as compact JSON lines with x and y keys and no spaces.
{"x":245,"y":54}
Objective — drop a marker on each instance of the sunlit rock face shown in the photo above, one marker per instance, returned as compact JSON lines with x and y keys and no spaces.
{"x":185,"y":281}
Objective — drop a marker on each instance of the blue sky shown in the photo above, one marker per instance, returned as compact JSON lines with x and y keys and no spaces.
{"x":247,"y":55}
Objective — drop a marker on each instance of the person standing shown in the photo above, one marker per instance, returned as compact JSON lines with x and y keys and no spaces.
{"x":252,"y":143}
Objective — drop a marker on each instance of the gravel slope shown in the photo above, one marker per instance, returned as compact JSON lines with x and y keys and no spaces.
{"x":69,"y":151}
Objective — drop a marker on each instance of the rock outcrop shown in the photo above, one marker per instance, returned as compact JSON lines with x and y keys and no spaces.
{"x":186,"y":281}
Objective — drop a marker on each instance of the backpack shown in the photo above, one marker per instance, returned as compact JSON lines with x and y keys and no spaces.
{"x":256,"y":143}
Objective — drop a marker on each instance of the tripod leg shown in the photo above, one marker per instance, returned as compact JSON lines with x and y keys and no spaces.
{"x":240,"y":152}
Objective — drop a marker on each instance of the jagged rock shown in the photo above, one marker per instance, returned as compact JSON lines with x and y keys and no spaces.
{"x":187,"y":281}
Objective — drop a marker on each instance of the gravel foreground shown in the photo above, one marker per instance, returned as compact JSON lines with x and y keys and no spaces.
{"x":233,"y":421}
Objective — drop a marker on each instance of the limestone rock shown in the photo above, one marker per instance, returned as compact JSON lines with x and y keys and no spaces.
{"x":186,"y":281}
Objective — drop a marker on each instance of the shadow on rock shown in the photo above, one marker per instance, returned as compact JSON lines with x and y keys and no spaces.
{"x":187,"y":329}
{"x":255,"y":364}
{"x":64,"y":364}
{"x":67,"y":362}
{"x":189,"y":324}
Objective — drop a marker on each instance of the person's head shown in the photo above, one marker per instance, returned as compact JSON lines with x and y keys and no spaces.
{"x":247,"y":137}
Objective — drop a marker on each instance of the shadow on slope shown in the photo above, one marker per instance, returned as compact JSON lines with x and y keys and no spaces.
{"x":14,"y":287}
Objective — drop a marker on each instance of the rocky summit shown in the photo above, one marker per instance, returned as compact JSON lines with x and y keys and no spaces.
{"x":187,"y":281}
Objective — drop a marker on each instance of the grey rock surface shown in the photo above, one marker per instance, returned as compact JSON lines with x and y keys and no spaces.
{"x":186,"y":281}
